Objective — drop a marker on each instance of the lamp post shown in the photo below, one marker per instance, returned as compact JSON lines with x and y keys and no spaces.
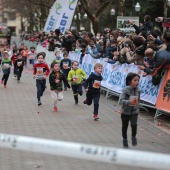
{"x":112,"y":13}
{"x":168,"y":2}
{"x":85,"y":19}
{"x":136,"y":7}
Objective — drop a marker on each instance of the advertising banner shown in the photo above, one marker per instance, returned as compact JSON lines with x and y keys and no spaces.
{"x":54,"y":15}
{"x":66,"y":16}
{"x":164,"y":94}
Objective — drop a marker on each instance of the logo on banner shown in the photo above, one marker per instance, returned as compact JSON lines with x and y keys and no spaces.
{"x":58,"y":8}
{"x":71,"y":2}
{"x":166,"y":92}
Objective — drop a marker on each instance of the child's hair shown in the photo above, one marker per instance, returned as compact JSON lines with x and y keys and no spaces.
{"x":97,"y":65}
{"x":19,"y":54}
{"x":32,"y":48}
{"x":6,"y":53}
{"x":53,"y":63}
{"x":25,"y":47}
{"x":74,"y":62}
{"x":129,"y":78}
{"x":15,"y":50}
{"x":65,"y":53}
{"x":57,"y":52}
{"x":41,"y":53}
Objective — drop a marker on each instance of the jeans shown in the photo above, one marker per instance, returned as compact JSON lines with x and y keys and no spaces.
{"x":90,"y":96}
{"x":125,"y":122}
{"x":41,"y":84}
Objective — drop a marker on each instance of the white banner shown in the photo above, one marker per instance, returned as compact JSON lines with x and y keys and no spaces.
{"x":114,"y":77}
{"x":66,"y":15}
{"x":54,"y":15}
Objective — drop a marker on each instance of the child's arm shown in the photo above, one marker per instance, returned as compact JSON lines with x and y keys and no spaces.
{"x":65,"y":81}
{"x":84,"y":74}
{"x":69,"y":78}
{"x":123,"y":99}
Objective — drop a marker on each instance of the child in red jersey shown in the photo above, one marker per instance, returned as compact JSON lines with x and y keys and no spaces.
{"x":41,"y":71}
{"x":13,"y":59}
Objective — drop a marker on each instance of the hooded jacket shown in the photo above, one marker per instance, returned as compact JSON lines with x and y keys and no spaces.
{"x":125,"y":100}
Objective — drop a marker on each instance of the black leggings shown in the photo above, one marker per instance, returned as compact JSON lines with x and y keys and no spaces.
{"x":125,"y":122}
{"x":5,"y":78}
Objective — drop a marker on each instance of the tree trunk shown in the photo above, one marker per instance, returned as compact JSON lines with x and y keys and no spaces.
{"x":121,"y":7}
{"x":95,"y":25}
{"x":165,"y":12}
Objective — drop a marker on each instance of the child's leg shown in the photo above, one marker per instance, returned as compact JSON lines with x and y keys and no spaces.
{"x":96,"y":103}
{"x":6,"y":79}
{"x":89,"y":98}
{"x":54,"y":98}
{"x":133,"y":120}
{"x":80,"y":91}
{"x":43,"y":85}
{"x":60,"y":96}
{"x":39,"y":90}
{"x":18,"y":74}
{"x":65,"y":73}
{"x":75,"y":93}
{"x":125,"y":123}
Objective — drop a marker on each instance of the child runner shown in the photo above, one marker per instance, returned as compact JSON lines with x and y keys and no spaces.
{"x":76,"y":76}
{"x":6,"y":64}
{"x":92,"y":87}
{"x":130,"y":107}
{"x":24,"y":53}
{"x":14,"y":58}
{"x":32,"y":56}
{"x":65,"y":66}
{"x":19,"y":64}
{"x":41,"y":71}
{"x":58,"y":57}
{"x":55,"y":80}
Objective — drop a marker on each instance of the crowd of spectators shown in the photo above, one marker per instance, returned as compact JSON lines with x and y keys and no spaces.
{"x":115,"y":46}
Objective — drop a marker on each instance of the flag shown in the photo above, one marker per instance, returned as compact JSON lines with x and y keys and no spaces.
{"x":54,"y":15}
{"x":66,"y":16}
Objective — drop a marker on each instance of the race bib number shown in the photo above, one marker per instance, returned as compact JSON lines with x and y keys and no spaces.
{"x":96,"y":84}
{"x":65,"y":65}
{"x":19,"y":63}
{"x":6,"y":66}
{"x":39,"y":71}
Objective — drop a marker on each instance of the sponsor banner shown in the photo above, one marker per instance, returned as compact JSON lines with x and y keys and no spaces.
{"x":54,"y":15}
{"x":114,"y":77}
{"x":164,"y":94}
{"x":66,"y":16}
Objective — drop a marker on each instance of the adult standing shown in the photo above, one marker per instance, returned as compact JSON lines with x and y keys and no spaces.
{"x":8,"y":37}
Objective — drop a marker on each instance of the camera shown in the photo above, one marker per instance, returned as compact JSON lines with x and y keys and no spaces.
{"x":126,"y":45}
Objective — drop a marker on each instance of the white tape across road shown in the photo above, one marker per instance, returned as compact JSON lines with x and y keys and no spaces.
{"x":88,"y":152}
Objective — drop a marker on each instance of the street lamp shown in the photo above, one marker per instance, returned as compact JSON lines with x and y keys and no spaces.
{"x":85,"y":19}
{"x":137,"y":7}
{"x":168,"y":2}
{"x":112,"y":13}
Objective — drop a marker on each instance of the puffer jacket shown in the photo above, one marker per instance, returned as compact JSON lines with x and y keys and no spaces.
{"x":125,"y":100}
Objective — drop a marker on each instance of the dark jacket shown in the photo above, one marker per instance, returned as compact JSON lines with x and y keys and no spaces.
{"x":65,"y":61}
{"x":90,"y":83}
{"x":161,"y":60}
{"x":125,"y":100}
{"x":17,"y":64}
{"x":57,"y":86}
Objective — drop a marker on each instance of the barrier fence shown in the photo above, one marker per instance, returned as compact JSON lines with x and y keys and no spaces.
{"x":114,"y":76}
{"x":87,"y":152}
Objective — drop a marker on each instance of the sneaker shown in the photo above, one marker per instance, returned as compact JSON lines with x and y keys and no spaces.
{"x":134,"y":141}
{"x":84,"y":101}
{"x":18,"y":81}
{"x":39,"y":103}
{"x":55,"y":109}
{"x":5,"y":86}
{"x":2,"y":82}
{"x":95,"y":117}
{"x":65,"y":89}
{"x":125,"y":143}
{"x":76,"y":103}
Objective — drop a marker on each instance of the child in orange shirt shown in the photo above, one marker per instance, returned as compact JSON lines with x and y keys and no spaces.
{"x":24,"y":53}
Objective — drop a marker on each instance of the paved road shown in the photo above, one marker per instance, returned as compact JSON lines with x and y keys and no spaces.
{"x":20,"y":115}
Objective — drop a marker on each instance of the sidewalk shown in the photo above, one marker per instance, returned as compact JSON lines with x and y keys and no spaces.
{"x":20,"y":115}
